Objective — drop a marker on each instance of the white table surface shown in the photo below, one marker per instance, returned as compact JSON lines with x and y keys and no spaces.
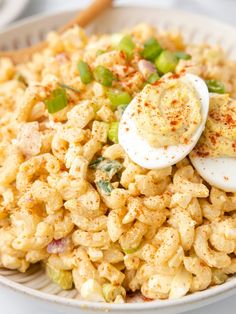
{"x":224,"y":10}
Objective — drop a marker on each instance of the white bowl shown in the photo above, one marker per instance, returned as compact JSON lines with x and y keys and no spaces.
{"x":33,"y":292}
{"x":9,"y":10}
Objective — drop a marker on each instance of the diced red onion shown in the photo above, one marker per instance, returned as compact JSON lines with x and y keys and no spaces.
{"x":146,"y":68}
{"x":61,"y":57}
{"x":57,"y":246}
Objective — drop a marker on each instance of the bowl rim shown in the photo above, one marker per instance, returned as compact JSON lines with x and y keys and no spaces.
{"x":184,"y":13}
{"x":17,"y":11}
{"x":220,"y":291}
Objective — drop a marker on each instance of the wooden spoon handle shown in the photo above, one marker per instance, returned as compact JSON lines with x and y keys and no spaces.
{"x":86,"y":16}
{"x":83,"y":19}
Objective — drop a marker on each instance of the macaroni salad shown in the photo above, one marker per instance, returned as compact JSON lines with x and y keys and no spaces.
{"x":71,"y":198}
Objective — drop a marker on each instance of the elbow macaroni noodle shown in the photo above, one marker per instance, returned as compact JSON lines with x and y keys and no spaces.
{"x":116,"y":227}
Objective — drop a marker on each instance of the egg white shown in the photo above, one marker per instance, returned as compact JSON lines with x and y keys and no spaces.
{"x":218,"y":172}
{"x":140,"y":151}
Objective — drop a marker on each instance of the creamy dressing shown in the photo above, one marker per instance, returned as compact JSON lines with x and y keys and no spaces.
{"x":219,"y":136}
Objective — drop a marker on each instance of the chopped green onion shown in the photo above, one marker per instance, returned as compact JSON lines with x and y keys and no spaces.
{"x":57,"y":101}
{"x":85,"y":72}
{"x":215,"y":86}
{"x":69,"y":87}
{"x":182,"y":55}
{"x":111,"y":167}
{"x":166,"y":62}
{"x":113,"y":132}
{"x":152,"y":49}
{"x":103,"y":75}
{"x":94,"y":163}
{"x":131,"y":250}
{"x":153,"y":78}
{"x":127,"y":45}
{"x":61,"y":277}
{"x":118,"y":98}
{"x":105,"y":186}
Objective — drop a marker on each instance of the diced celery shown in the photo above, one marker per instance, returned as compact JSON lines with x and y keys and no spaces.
{"x":61,"y":277}
{"x":166,"y":62}
{"x":113,"y":132}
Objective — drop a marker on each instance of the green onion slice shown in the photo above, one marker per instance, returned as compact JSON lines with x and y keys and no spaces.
{"x":166,"y":62}
{"x":127,"y":45}
{"x":110,"y":167}
{"x":113,"y":132}
{"x":104,"y":186}
{"x":215,"y":86}
{"x":152,"y":49}
{"x":182,"y":55}
{"x":85,"y":72}
{"x":118,"y":98}
{"x":153,"y":78}
{"x":94,"y":163}
{"x":57,"y":101}
{"x":103,"y":75}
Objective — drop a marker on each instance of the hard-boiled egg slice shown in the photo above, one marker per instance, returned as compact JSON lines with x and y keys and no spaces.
{"x":219,"y":172}
{"x":213,"y":157}
{"x":147,"y":156}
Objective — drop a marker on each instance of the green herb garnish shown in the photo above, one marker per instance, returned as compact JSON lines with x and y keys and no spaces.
{"x":166,"y":62}
{"x":57,"y":101}
{"x":111,"y":167}
{"x":105,"y":186}
{"x":118,"y":97}
{"x":182,"y":55}
{"x":152,"y":49}
{"x":127,"y":46}
{"x":85,"y":72}
{"x":153,"y":78}
{"x":113,"y":132}
{"x":215,"y":86}
{"x":94,"y":163}
{"x":103,"y":76}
